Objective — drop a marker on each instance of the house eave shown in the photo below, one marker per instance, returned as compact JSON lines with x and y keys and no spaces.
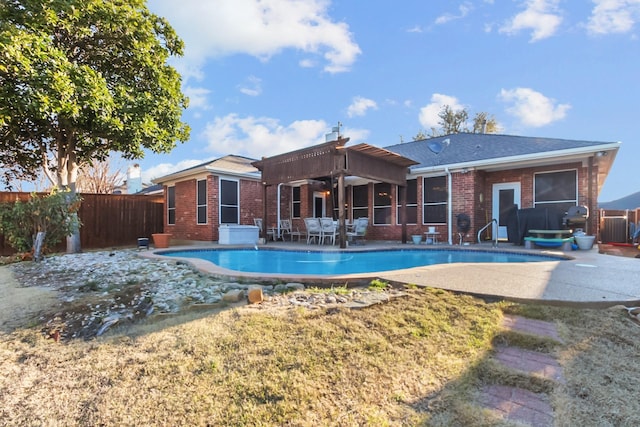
{"x":528,"y":160}
{"x":204,"y":170}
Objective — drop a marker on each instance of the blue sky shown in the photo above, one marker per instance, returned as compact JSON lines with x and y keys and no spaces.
{"x":266,"y":77}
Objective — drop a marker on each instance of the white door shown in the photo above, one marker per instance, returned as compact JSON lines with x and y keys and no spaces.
{"x":505,"y":196}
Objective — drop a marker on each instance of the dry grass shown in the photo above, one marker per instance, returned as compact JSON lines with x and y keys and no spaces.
{"x":413,"y":361}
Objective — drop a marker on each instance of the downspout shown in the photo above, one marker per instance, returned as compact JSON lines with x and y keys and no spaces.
{"x":449,"y":206}
{"x":278,"y":211}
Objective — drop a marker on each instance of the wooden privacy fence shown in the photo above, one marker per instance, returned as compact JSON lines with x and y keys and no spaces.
{"x":108,"y":220}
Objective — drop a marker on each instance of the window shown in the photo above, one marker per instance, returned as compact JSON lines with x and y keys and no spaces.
{"x":435,"y":200}
{"x":555,"y":190}
{"x":382,"y":203}
{"x":360,"y":203}
{"x":201,"y":201}
{"x":229,"y":205}
{"x":295,"y":202}
{"x":171,"y":205}
{"x":411,"y":210}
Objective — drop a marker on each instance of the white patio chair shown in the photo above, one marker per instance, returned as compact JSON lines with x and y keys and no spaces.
{"x":314,"y":230}
{"x":269,"y":232}
{"x":287,"y":229}
{"x":359,"y":230}
{"x":329,"y":230}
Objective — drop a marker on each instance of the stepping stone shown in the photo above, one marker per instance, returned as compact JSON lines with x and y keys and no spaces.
{"x":531,"y":327}
{"x":530,"y":362}
{"x":518,"y":405}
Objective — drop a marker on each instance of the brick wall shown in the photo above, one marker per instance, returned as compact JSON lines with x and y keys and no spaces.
{"x":466,"y":189}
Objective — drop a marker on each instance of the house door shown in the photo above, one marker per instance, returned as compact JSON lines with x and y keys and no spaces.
{"x":506,"y":196}
{"x":318,"y":204}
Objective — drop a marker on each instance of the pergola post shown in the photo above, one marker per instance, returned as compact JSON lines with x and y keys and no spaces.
{"x":263,"y":232}
{"x":403,"y":211}
{"x":341,"y":213}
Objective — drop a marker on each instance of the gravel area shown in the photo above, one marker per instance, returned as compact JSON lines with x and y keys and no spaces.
{"x":101,"y":290}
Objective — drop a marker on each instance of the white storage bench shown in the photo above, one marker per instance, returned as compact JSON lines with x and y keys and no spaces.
{"x":234,"y":234}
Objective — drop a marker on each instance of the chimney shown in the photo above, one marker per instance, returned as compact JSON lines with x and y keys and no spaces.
{"x":134,"y":179}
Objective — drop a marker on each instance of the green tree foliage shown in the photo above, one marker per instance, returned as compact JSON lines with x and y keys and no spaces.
{"x":484,"y":123}
{"x":80,"y":79}
{"x":53,"y":214}
{"x":452,"y":121}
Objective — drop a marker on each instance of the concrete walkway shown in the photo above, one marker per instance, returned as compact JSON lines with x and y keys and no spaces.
{"x":590,"y":278}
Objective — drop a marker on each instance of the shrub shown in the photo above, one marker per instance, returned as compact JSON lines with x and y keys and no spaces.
{"x":53,"y":214}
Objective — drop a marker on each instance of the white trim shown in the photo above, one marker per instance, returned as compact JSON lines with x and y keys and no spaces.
{"x":556,"y":201}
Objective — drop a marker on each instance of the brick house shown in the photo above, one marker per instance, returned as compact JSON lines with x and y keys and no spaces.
{"x":479,"y":175}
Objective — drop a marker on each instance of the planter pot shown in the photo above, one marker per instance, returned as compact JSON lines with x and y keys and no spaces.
{"x":585,"y":242}
{"x":161,"y":240}
{"x":417,"y":239}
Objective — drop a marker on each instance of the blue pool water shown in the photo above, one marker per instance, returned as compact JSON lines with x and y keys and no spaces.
{"x":336,"y":263}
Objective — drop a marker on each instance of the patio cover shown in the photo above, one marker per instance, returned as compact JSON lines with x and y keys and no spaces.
{"x":334,"y":160}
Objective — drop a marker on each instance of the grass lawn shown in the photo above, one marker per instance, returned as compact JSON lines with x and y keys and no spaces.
{"x":416,"y":360}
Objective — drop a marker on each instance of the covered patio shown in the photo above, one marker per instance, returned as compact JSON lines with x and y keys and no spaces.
{"x":331,"y":162}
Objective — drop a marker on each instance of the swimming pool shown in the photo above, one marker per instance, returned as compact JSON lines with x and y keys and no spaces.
{"x":333,"y":263}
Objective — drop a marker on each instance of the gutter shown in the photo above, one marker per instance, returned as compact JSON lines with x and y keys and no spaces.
{"x":582,"y":152}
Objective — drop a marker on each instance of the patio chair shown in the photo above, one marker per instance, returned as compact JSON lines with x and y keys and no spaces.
{"x":269,"y":232}
{"x":329,"y":230}
{"x":359,"y":230}
{"x":287,"y":229}
{"x":314,"y":230}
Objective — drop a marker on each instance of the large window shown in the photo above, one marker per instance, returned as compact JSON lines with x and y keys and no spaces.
{"x":382,"y":203}
{"x":360,"y":197}
{"x":295,"y":202}
{"x":201,"y":201}
{"x":555,"y":190}
{"x":435,"y":200}
{"x":411,"y":209}
{"x":171,"y":205}
{"x":229,"y":202}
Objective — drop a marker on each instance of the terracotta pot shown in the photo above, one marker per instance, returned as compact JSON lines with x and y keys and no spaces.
{"x":161,"y":240}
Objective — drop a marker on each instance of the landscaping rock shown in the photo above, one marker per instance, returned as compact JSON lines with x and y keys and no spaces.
{"x":233,"y":295}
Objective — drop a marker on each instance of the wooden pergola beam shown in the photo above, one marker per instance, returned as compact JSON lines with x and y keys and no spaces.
{"x":333,"y":159}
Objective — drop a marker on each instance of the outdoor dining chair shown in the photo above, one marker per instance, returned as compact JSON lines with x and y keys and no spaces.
{"x":329,"y":230}
{"x":314,"y":230}
{"x":359,"y":230}
{"x":269,"y":232}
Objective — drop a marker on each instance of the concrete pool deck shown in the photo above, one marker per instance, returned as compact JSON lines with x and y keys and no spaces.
{"x":588,"y":278}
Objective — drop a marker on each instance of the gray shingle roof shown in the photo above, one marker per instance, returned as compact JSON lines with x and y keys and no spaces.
{"x":476,"y":147}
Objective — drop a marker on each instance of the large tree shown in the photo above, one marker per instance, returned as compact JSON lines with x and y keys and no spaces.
{"x":80,"y":79}
{"x":456,"y":121}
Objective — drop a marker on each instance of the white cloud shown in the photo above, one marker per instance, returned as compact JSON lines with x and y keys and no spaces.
{"x":197,"y":97}
{"x":540,"y":16}
{"x":464,"y":10}
{"x":429,"y":113}
{"x":212,"y":29}
{"x":252,"y":86}
{"x":613,"y":16}
{"x":360,"y":105}
{"x":261,"y":136}
{"x":166,"y":168}
{"x":533,"y":108}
